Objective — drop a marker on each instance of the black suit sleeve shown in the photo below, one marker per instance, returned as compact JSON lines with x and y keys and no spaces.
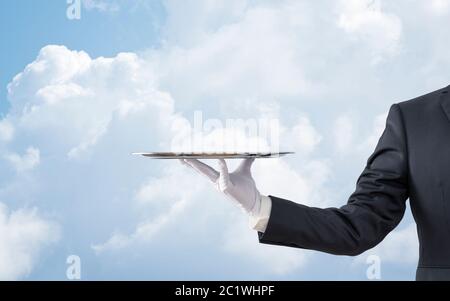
{"x":373,"y":210}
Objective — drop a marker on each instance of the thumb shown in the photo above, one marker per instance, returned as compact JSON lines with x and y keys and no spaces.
{"x":224,"y":176}
{"x":246,"y":165}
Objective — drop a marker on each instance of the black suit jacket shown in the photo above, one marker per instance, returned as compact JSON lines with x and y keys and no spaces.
{"x":411,"y":160}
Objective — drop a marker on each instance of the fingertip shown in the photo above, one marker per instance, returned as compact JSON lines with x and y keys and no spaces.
{"x":221,"y":162}
{"x":223,"y":168}
{"x":248,"y":163}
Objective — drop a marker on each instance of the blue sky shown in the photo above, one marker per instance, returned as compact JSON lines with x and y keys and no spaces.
{"x":129,"y":75}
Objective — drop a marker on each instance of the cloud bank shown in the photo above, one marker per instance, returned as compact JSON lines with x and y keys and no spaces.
{"x":24,"y":235}
{"x":328,"y":73}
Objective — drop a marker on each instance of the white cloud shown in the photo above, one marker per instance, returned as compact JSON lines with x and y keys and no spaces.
{"x":304,"y":185}
{"x":6,"y":130}
{"x":170,"y":195}
{"x":263,"y":52}
{"x":302,"y":137}
{"x":273,"y":259}
{"x":438,"y":7}
{"x":52,"y":94}
{"x":155,"y":189}
{"x":24,"y":162}
{"x":53,"y":66}
{"x":181,"y":197}
{"x":256,"y":57}
{"x":221,"y":139}
{"x":191,"y":21}
{"x":69,"y":106}
{"x":144,"y":231}
{"x":101,"y":5}
{"x":399,"y":247}
{"x":379,"y":124}
{"x":367,"y":21}
{"x":72,"y":98}
{"x":24,"y":234}
{"x":344,"y":132}
{"x":352,"y":137}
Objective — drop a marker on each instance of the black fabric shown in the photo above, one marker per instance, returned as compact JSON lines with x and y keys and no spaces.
{"x":433,"y":274}
{"x":411,"y":160}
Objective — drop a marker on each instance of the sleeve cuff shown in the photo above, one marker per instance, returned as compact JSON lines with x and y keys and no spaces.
{"x":259,"y":220}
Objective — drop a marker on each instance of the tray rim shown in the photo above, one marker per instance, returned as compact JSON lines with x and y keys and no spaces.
{"x":211,"y":155}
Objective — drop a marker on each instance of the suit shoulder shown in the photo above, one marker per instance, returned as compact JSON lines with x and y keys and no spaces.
{"x":423,"y":102}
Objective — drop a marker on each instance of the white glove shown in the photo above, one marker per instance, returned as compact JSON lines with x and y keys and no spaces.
{"x":238,"y":185}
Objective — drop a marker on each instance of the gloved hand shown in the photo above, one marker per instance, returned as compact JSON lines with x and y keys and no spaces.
{"x":238,"y":185}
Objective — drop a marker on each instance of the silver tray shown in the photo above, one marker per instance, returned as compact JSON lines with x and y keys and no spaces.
{"x":194,"y":155}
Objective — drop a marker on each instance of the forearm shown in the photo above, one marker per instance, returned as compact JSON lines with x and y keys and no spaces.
{"x":349,"y":230}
